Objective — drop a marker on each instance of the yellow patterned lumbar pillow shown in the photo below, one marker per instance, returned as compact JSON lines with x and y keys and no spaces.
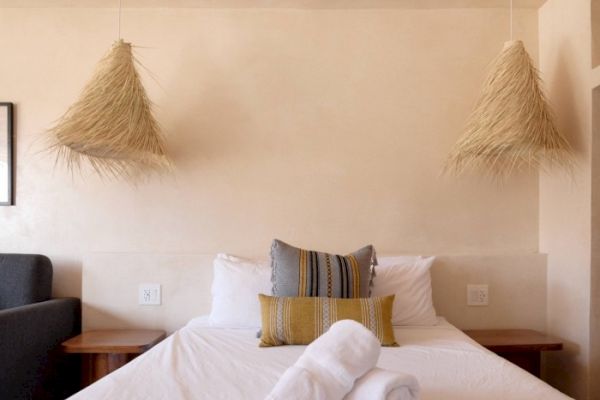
{"x":300,"y":320}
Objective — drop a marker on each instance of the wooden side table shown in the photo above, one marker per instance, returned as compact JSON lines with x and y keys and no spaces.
{"x":522,"y":347}
{"x":106,"y":350}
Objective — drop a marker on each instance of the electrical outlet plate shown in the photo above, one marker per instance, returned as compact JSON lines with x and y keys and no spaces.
{"x":477,"y":295}
{"x":149,"y":294}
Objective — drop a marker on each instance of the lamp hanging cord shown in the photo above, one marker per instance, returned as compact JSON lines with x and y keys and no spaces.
{"x":119,"y":38}
{"x":511,"y":28}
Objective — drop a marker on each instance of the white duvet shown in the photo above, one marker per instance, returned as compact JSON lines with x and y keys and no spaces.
{"x":200,"y":362}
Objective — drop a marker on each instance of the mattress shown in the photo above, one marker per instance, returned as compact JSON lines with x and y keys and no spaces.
{"x":200,"y":362}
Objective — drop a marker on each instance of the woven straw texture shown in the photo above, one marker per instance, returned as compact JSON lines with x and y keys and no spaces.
{"x":111,"y":125}
{"x":511,"y":126}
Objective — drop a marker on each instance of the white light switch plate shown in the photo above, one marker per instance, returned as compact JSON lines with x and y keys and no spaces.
{"x":149,"y":294}
{"x":477,"y":295}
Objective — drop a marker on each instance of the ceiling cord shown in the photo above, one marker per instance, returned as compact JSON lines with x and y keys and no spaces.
{"x":119,"y":38}
{"x":511,"y":19}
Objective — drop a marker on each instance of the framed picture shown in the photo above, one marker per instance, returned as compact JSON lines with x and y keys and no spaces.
{"x":6,"y":154}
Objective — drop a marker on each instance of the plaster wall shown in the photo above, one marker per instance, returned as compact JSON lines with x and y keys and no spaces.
{"x":566,"y":205}
{"x":325,"y":128}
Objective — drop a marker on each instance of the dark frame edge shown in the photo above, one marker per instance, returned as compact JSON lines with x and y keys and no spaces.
{"x":10,"y":156}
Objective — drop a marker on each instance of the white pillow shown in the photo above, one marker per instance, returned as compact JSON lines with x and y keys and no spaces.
{"x":408,"y":278}
{"x":235,"y":288}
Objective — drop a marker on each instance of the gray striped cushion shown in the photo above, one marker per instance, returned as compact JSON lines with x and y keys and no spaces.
{"x":304,"y":273}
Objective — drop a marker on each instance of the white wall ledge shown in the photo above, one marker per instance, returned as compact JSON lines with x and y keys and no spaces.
{"x":301,"y":4}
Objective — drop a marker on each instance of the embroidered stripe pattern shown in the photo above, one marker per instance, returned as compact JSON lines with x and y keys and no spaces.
{"x":378,"y":317}
{"x":300,"y":320}
{"x":333,"y":310}
{"x":340,"y":263}
{"x":326,"y":314}
{"x":273,"y":320}
{"x":279,"y":322}
{"x":328,"y":262}
{"x":288,"y":321}
{"x":355,"y":277}
{"x":372,"y":321}
{"x":318,"y":317}
{"x":306,"y":273}
{"x":315,"y":273}
{"x":302,"y":267}
{"x":347,"y":275}
{"x":364,"y":313}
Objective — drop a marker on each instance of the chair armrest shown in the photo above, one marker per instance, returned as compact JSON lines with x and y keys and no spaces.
{"x":28,"y":336}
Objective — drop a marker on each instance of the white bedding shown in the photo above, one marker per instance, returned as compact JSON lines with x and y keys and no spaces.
{"x":200,"y":362}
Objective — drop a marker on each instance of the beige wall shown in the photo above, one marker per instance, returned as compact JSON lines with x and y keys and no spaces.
{"x":595,"y":17}
{"x":111,"y":281}
{"x":517,"y":290}
{"x":317,"y":4}
{"x":565,"y":206}
{"x":326,"y":128}
{"x":595,"y":265}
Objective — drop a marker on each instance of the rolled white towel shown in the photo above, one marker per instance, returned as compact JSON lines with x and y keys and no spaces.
{"x":381,"y":384}
{"x":329,"y":366}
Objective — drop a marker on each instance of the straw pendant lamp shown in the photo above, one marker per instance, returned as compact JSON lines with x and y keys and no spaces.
{"x":512,"y":125}
{"x":111,"y":125}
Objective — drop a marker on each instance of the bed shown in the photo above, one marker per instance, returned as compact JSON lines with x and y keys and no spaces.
{"x":204,"y":362}
{"x":218,"y":356}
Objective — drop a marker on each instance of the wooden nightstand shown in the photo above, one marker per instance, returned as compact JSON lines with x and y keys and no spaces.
{"x":522,"y":347}
{"x":106,"y":350}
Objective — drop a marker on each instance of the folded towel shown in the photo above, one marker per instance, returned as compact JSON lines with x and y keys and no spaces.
{"x":329,"y":366}
{"x":381,"y":384}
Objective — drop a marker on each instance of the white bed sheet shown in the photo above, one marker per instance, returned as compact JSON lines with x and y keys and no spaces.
{"x":200,"y":362}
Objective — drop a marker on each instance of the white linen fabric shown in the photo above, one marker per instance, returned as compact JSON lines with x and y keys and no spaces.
{"x":330,"y":365}
{"x":237,"y":283}
{"x":409,"y":279}
{"x":381,"y":384}
{"x":235,"y":288}
{"x":201,"y":362}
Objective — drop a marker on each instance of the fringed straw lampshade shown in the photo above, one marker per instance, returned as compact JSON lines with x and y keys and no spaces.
{"x":511,"y":126}
{"x":111,"y":125}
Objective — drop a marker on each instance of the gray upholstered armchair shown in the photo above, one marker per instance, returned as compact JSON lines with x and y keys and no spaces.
{"x":32,"y":327}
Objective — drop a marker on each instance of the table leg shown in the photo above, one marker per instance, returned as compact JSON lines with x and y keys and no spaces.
{"x":116,"y":361}
{"x":530,"y":361}
{"x":98,"y":365}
